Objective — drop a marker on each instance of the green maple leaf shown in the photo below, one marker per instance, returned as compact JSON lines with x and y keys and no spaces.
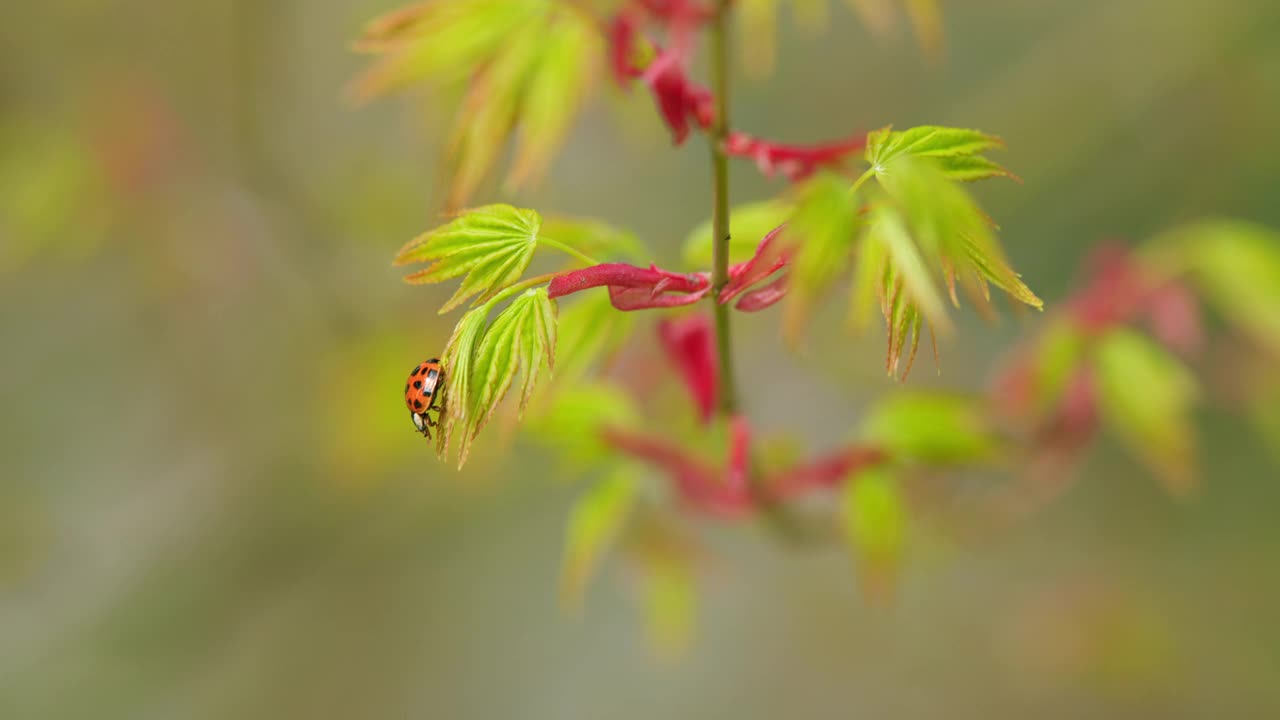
{"x":491,"y":245}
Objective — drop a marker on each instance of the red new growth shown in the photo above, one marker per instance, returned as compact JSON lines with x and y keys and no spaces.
{"x":690,"y":348}
{"x":727,"y":492}
{"x":1121,"y":290}
{"x":697,"y":482}
{"x":795,"y":162}
{"x":771,"y":256}
{"x":678,"y":97}
{"x":634,"y":288}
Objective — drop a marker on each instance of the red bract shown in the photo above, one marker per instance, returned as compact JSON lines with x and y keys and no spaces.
{"x":634,"y":288}
{"x":727,"y":492}
{"x":764,"y":297}
{"x":795,"y":162}
{"x":623,"y":30}
{"x":1115,"y":292}
{"x":824,"y":472}
{"x":1121,"y":291}
{"x":737,"y":474}
{"x":1174,"y":316}
{"x":680,"y":19}
{"x":679,"y":98}
{"x":698,"y":483}
{"x":770,"y":257}
{"x":690,"y":347}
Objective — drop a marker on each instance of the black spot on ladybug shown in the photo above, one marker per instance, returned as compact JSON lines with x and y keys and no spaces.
{"x":433,"y":361}
{"x":417,"y":404}
{"x":417,"y":384}
{"x":427,"y":392}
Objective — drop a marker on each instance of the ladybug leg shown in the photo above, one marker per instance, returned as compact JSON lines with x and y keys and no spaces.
{"x":438,"y":396}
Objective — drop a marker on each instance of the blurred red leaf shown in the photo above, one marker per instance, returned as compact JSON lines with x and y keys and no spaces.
{"x":1174,"y":316}
{"x":690,"y":347}
{"x":824,"y":472}
{"x":795,"y":162}
{"x":764,"y":297}
{"x":770,"y":257}
{"x":678,"y":98}
{"x":698,"y":483}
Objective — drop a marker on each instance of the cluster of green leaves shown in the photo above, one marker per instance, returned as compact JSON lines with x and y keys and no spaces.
{"x":612,"y":510}
{"x":1236,"y":267}
{"x":919,"y":432}
{"x":490,"y":248}
{"x":913,"y":236}
{"x":527,"y":66}
{"x":1146,"y":393}
{"x":759,"y":22}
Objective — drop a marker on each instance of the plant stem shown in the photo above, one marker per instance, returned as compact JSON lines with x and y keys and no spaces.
{"x":548,"y":242}
{"x":522,"y":285}
{"x":728,"y":401}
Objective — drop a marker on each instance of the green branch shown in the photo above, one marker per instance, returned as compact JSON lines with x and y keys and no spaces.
{"x":720,"y":208}
{"x":557,"y":245}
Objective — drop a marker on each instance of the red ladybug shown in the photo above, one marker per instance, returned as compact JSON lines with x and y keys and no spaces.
{"x":425,"y":384}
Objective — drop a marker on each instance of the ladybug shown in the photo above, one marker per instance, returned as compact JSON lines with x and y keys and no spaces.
{"x":424,"y":387}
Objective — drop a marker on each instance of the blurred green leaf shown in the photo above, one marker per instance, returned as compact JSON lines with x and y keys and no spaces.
{"x":529,"y":64}
{"x":489,"y":112}
{"x":594,"y":523}
{"x":871,"y":267}
{"x":1263,"y":406}
{"x":926,"y":20}
{"x":950,"y":230}
{"x":1058,"y":355}
{"x":749,"y":224}
{"x":45,"y":170}
{"x":904,"y":321}
{"x":590,"y":329}
{"x":670,"y":595}
{"x":926,"y":23}
{"x":1237,"y":267}
{"x":873,"y":520}
{"x":492,"y":245}
{"x":905,"y":265}
{"x":442,"y":42}
{"x":557,"y":86}
{"x":573,"y":418}
{"x":933,"y":428}
{"x":908,"y":294}
{"x":822,"y":231}
{"x":1145,"y":396}
{"x":759,"y":23}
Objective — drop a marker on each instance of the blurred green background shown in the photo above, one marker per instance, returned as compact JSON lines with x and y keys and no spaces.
{"x":212,"y":504}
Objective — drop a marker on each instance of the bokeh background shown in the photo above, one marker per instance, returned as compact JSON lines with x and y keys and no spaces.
{"x":213,"y":506}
